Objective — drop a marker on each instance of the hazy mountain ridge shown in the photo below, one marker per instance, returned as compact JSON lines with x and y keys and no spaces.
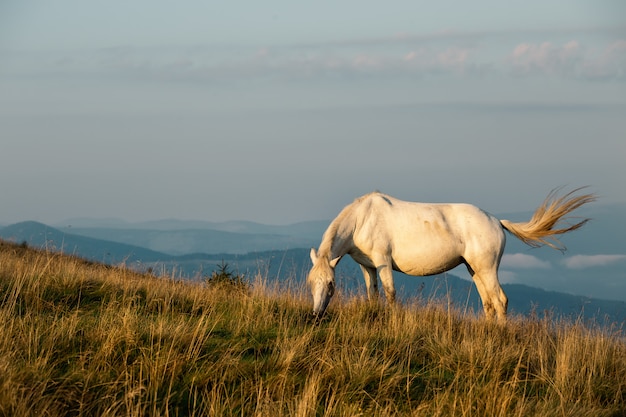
{"x":599,"y":269}
{"x":308,"y":229}
{"x":186,"y":241}
{"x":40,"y":235}
{"x":605,"y":233}
{"x":282,"y":252}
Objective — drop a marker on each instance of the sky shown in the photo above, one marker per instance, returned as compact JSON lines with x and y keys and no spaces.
{"x":280,"y":111}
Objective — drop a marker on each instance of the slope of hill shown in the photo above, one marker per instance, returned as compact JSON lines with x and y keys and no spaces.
{"x":307,"y":229}
{"x":39,"y":235}
{"x":82,"y":338}
{"x":240,"y":237}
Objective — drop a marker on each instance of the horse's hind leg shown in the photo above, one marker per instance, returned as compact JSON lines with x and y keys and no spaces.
{"x":371,"y":282}
{"x":494,"y":300}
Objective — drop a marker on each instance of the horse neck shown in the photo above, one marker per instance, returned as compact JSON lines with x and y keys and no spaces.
{"x":337,"y":239}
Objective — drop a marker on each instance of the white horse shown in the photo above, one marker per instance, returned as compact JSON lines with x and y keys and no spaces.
{"x":383,"y":234}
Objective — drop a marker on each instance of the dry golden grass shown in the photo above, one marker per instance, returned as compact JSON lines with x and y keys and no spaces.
{"x":84,"y":339}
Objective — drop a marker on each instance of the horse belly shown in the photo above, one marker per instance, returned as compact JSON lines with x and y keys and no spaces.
{"x":427,"y":246}
{"x":427,"y":261}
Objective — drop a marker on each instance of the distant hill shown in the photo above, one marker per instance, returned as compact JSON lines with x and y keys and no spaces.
{"x":307,"y":229}
{"x":42,"y":236}
{"x":230,"y":237}
{"x":291,"y":266}
{"x":595,"y":265}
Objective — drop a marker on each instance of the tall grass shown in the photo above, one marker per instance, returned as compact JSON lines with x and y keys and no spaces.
{"x":83,"y":339}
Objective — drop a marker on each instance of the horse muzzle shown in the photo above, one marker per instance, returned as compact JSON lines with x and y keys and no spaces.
{"x":321,"y":297}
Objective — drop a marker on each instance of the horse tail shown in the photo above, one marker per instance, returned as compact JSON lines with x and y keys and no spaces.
{"x":544,"y":226}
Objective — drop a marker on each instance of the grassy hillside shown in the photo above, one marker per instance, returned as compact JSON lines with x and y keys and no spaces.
{"x":81,"y":339}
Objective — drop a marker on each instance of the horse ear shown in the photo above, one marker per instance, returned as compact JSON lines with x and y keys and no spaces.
{"x":313,"y":255}
{"x":334,"y":262}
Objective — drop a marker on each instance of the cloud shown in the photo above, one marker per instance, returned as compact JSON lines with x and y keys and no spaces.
{"x":450,"y":59}
{"x":391,"y":57}
{"x":366,"y":62}
{"x":545,"y":58}
{"x":590,"y":261}
{"x":507,"y":277}
{"x":610,"y":62}
{"x":522,"y":260}
{"x":570,"y":59}
{"x":453,"y":57}
{"x":461,"y":54}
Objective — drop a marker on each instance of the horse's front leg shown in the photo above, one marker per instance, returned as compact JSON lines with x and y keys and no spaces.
{"x":371,"y":282}
{"x":386,"y":278}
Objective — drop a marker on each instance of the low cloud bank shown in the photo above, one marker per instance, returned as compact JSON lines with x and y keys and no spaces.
{"x":522,"y":260}
{"x":590,"y":261}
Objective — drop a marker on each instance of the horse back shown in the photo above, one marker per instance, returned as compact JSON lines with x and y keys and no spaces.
{"x":424,"y":238}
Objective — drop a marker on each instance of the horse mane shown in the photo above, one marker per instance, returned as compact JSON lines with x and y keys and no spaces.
{"x":343,"y":219}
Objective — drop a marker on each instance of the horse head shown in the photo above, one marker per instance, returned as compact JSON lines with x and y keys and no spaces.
{"x":321,"y":279}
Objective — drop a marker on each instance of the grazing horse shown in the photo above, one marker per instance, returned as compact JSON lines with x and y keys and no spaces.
{"x":382,"y":234}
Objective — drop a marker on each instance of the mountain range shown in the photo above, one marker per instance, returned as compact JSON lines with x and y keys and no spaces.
{"x":577,"y":282}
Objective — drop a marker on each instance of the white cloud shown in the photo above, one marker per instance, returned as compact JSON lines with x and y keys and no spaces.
{"x":617,"y":47}
{"x":545,"y":58}
{"x":570,"y":59}
{"x":433,"y":60}
{"x":507,"y":277}
{"x":590,"y":261}
{"x":610,"y":62}
{"x":447,"y":53}
{"x":366,"y":62}
{"x":522,"y":260}
{"x":411,"y":56}
{"x":452,"y":56}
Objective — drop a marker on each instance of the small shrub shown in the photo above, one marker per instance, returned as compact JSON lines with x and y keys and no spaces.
{"x":223,"y":277}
